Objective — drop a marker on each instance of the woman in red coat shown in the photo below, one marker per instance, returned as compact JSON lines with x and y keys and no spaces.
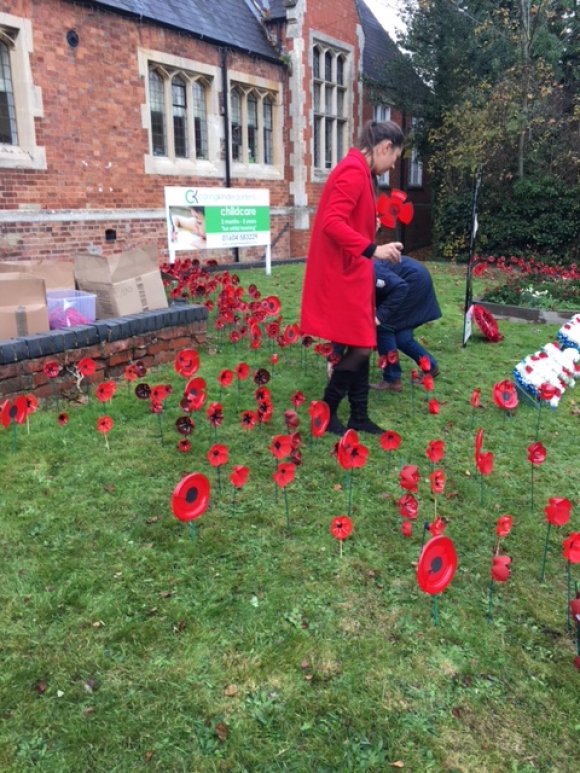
{"x":338,"y":293}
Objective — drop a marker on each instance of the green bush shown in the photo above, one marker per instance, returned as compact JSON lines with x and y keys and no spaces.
{"x":535,"y":217}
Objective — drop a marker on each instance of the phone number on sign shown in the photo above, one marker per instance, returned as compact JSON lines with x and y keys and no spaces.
{"x":239,"y":237}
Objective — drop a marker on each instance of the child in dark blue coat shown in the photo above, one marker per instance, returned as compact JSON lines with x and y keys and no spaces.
{"x":405,"y":299}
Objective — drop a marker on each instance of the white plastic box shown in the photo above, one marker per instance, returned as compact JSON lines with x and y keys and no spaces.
{"x":69,"y":308}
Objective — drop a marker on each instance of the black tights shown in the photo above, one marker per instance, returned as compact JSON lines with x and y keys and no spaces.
{"x":354,"y":358}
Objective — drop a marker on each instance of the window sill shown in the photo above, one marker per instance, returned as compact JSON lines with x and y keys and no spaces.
{"x":14,"y":157}
{"x":180,"y":167}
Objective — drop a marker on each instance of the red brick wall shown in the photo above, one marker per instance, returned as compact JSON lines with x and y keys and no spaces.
{"x":111,"y":358}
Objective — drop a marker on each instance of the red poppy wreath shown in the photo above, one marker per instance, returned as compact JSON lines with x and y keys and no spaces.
{"x":486,"y":322}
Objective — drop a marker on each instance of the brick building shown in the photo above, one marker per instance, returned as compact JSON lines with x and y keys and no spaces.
{"x":103,"y":104}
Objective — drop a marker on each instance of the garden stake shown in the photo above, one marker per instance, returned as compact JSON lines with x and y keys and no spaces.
{"x":569,"y":592}
{"x":350,"y":494}
{"x":159,"y":422}
{"x":532,"y":491}
{"x":545,"y":553}
{"x":435,"y":611}
{"x":340,"y":547}
{"x":13,"y":437}
{"x":481,"y":492}
{"x":192,"y":530}
{"x":490,"y":598}
{"x":287,"y":511}
{"x":539,"y":417}
{"x":425,"y":530}
{"x":219,"y":477}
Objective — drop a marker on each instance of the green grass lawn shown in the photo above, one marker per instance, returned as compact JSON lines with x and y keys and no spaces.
{"x":127,"y":645}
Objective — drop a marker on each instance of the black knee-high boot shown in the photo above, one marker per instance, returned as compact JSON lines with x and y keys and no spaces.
{"x":336,"y":389}
{"x":358,"y":396}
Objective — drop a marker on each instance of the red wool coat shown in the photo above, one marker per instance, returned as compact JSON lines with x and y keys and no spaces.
{"x":338,"y":293}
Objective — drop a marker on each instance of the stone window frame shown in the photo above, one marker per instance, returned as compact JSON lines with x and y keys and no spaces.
{"x":191,"y":71}
{"x":17,"y":33}
{"x":244,"y":87}
{"x":332,"y":100}
{"x":382,"y":113}
{"x":415,"y":165}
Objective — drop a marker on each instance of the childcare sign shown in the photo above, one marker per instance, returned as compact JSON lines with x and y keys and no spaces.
{"x":217,"y":218}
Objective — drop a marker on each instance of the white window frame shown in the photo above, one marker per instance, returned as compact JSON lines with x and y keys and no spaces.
{"x":169,"y":66}
{"x":263,"y":90}
{"x":27,"y":97}
{"x":415,"y":166}
{"x":382,"y":113}
{"x":331,"y":112}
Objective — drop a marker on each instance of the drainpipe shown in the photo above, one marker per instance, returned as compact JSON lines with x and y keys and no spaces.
{"x":226,"y":114}
{"x":402,"y":173}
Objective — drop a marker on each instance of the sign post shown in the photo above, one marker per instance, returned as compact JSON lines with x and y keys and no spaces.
{"x":218,"y":218}
{"x":467,"y":308}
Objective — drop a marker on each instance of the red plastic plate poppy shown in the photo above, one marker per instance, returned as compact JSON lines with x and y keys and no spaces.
{"x":437,"y":565}
{"x":319,"y":417}
{"x":191,"y":497}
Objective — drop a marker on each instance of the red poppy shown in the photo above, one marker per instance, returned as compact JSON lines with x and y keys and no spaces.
{"x":485,"y":463}
{"x":261,"y":377}
{"x":86,"y":366}
{"x":239,"y":476}
{"x":504,"y":525}
{"x":351,"y":455}
{"x":196,"y":393}
{"x":242,"y":371}
{"x":571,"y":548}
{"x":435,"y":451}
{"x":285,"y":474}
{"x":51,"y":369}
{"x":63,"y":419}
{"x":319,"y":417}
{"x":105,"y":424}
{"x":547,"y":392}
{"x":105,"y":391}
{"x":184,"y":425}
{"x":558,"y":511}
{"x":437,"y":479}
{"x":215,"y":414}
{"x":434,"y":406}
{"x":505,"y":395}
{"x":291,"y":334}
{"x":409,"y":477}
{"x":424,"y":363}
{"x":186,"y":362}
{"x":537,"y":454}
{"x":249,"y":419}
{"x":184,"y":445}
{"x":500,"y":569}
{"x":437,"y":527}
{"x":341,"y":527}
{"x":394,"y":207}
{"x":263,"y":394}
{"x":575,"y":609}
{"x":218,"y":455}
{"x":160,"y":392}
{"x":31,"y":404}
{"x":16,"y":411}
{"x":407,"y":529}
{"x":140,"y":368}
{"x":390,"y":440}
{"x":409,"y":507}
{"x":476,"y":398}
{"x":226,"y":378}
{"x":486,"y":322}
{"x":191,"y":497}
{"x":281,"y":446}
{"x":131,"y":373}
{"x":143,"y":391}
{"x":291,"y":419}
{"x":265,"y":411}
{"x":392,"y":357}
{"x":274,"y":359}
{"x":255,"y":336}
{"x":437,"y":565}
{"x":155,"y":406}
{"x":272,"y":305}
{"x":297,"y":399}
{"x":428,"y":382}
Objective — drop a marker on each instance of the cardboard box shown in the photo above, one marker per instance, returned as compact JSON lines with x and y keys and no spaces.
{"x":23,"y":309}
{"x":124,"y":284}
{"x":57,"y":274}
